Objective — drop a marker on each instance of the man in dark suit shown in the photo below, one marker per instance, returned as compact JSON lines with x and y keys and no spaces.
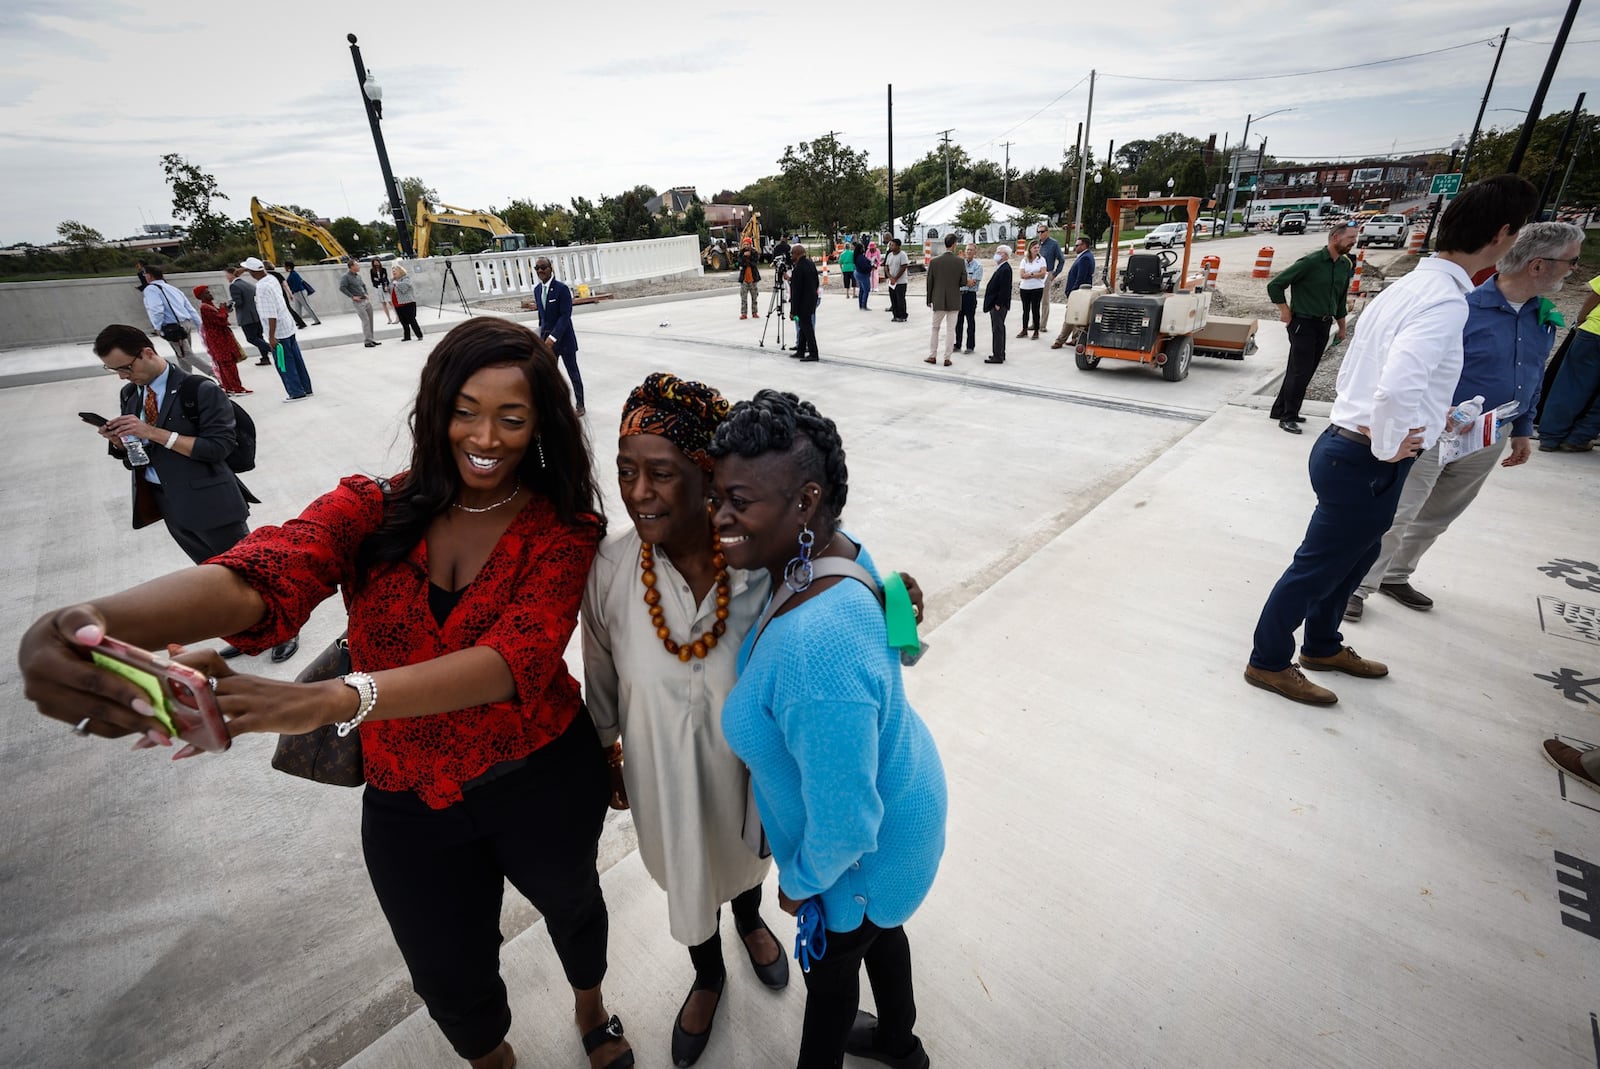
{"x":997,"y":302}
{"x":555,"y":323}
{"x":1080,"y":274}
{"x":242,"y":292}
{"x":946,"y":274}
{"x":187,"y":482}
{"x":803,"y":300}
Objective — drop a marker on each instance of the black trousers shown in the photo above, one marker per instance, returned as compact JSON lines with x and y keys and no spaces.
{"x":1307,"y":339}
{"x":440,"y":875}
{"x":969,"y":316}
{"x":1031,"y":300}
{"x":833,"y":994}
{"x":707,"y":956}
{"x":408,"y":319}
{"x":897,"y":300}
{"x":997,"y":323}
{"x":254,"y":335}
{"x":805,"y":333}
{"x":200,"y":544}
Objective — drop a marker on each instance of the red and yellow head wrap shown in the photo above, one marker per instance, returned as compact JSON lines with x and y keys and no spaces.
{"x":684,"y":413}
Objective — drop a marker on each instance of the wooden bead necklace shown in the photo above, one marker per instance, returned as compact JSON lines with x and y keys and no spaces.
{"x":703,"y":645}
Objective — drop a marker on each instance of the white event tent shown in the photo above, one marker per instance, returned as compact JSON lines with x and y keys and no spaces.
{"x":940,"y":216}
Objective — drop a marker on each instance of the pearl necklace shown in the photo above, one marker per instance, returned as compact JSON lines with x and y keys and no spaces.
{"x":703,"y":645}
{"x":516,"y":488}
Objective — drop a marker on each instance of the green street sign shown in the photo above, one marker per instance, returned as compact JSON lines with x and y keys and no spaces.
{"x":1447,"y":185}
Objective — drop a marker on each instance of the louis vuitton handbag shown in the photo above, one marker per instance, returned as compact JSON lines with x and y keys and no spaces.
{"x":321,"y":755}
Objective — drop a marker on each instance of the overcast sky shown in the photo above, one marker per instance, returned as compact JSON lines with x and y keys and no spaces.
{"x":490,"y":100}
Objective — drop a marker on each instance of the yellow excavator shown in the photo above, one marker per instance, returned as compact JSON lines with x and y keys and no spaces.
{"x":504,"y":238}
{"x":719,"y":257}
{"x":263,"y":217}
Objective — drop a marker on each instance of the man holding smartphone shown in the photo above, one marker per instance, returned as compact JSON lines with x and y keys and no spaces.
{"x":186,"y":426}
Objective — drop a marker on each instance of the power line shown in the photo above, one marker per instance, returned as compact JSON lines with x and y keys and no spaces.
{"x":1585,"y":41}
{"x":1036,"y":114}
{"x":1302,"y":74}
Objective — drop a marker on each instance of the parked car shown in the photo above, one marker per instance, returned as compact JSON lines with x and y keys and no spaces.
{"x":1166,"y":235}
{"x":1384,"y":229}
{"x":1206,"y":227}
{"x":1292,"y":223}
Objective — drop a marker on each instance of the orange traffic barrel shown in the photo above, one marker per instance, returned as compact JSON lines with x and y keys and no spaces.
{"x":1418,"y":239}
{"x":927,"y":251}
{"x":1211,"y":264}
{"x":1263,"y":268}
{"x":1355,"y":279}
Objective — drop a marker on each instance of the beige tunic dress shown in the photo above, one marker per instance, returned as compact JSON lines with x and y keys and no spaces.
{"x":686,"y":789}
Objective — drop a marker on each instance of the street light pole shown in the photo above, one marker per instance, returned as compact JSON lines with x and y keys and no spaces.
{"x":1466,"y":161}
{"x":372,"y":100}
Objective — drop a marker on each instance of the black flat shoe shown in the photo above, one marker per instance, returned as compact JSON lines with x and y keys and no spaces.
{"x":688,"y":1046}
{"x":284,"y":650}
{"x":1289,"y":425}
{"x":859,"y":1044}
{"x":775,"y":974}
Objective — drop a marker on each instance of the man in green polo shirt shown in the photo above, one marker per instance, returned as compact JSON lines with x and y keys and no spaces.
{"x":1318,"y":284}
{"x":1571,"y":419}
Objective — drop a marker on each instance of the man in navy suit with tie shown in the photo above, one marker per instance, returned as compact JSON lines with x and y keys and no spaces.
{"x":555,"y":323}
{"x":997,"y":302}
{"x":187,"y":428}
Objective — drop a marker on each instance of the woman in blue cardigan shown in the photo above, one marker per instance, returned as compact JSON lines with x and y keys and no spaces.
{"x":847,"y":780}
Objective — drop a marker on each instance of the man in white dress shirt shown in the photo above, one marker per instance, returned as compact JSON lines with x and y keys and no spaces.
{"x":1394,"y":392}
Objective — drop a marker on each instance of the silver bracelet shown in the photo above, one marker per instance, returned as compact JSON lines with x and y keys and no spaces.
{"x":365,"y":686}
{"x":171,"y":438}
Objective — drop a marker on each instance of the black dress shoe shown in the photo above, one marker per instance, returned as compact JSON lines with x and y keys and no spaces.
{"x":688,"y":1046}
{"x":809,"y":359}
{"x":1407,"y":595}
{"x":1289,"y":425}
{"x":860,"y":1044}
{"x":263,"y":362}
{"x":775,"y":973}
{"x":284,"y":650}
{"x":992,"y":360}
{"x":229,"y":652}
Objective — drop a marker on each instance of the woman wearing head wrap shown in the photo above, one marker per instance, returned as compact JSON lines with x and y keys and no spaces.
{"x":662,"y":620}
{"x":220,"y":342}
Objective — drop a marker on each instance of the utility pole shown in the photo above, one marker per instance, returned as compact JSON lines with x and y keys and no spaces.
{"x":1577,"y":148}
{"x":1005,"y":175}
{"x":1561,"y":150}
{"x":1077,"y":163}
{"x":1233,"y":176}
{"x":946,"y":135}
{"x":1088,"y":118}
{"x":1515,"y":166}
{"x":1466,"y":161}
{"x":890,"y":221}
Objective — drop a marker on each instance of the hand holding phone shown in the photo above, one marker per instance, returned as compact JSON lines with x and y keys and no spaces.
{"x":181,"y":696}
{"x":93,"y":419}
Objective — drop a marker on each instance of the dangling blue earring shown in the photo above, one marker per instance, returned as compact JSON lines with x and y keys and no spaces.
{"x":797,"y":573}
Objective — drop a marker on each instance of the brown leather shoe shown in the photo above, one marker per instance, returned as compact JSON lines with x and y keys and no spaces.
{"x":1057,"y":344}
{"x":1569,"y":759}
{"x":1291,"y":683}
{"x":1347,"y":661}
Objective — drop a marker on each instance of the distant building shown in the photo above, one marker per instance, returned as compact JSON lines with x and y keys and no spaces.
{"x":674,"y":202}
{"x":1346,"y":184}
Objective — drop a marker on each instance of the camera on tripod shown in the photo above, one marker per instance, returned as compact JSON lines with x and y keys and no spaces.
{"x":780,"y":266}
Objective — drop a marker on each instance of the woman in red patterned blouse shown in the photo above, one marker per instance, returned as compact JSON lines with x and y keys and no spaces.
{"x":220,"y":342}
{"x":462,"y":577}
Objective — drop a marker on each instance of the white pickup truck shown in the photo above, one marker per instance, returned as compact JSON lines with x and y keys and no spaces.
{"x":1387,"y":229}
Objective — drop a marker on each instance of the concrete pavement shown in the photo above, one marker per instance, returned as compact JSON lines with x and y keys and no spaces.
{"x":1150,"y":863}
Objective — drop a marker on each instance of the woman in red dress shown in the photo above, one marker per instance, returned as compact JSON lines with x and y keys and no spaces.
{"x":220,"y":342}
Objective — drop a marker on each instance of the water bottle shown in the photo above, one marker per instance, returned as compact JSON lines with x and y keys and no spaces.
{"x":1465,"y":413}
{"x":136,"y":454}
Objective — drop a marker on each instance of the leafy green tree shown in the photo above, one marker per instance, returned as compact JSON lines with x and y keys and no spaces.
{"x":694,"y":222}
{"x":974,"y":214}
{"x":357,"y":238}
{"x":193,"y":190}
{"x":767,"y":196}
{"x":79,"y":235}
{"x":629,"y":217}
{"x":908,"y":224}
{"x":589,"y":222}
{"x":1023,"y":220}
{"x":826,"y":183}
{"x":1492,"y":154}
{"x":1095,"y":220}
{"x":413,"y":189}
